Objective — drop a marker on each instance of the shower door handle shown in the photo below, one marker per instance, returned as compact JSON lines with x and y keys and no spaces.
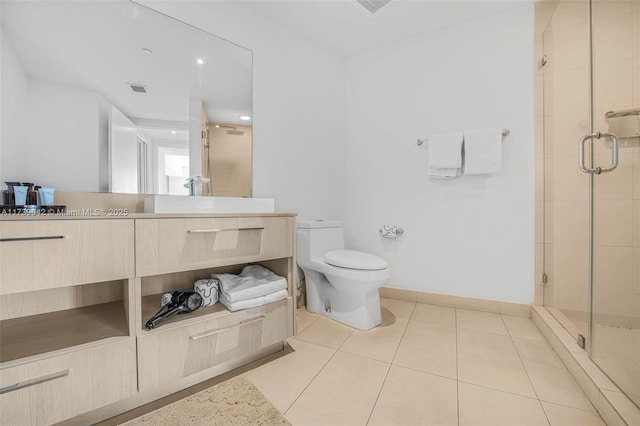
{"x":614,"y":153}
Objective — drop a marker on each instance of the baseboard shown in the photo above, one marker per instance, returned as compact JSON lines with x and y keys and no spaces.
{"x":483,"y":305}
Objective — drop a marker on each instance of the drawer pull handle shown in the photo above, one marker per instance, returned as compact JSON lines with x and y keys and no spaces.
{"x":36,"y":381}
{"x":214,"y":231}
{"x":220,"y":330}
{"x":53,"y":237}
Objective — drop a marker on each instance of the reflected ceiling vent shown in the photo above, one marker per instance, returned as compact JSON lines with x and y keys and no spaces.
{"x":373,"y":7}
{"x":138,"y":88}
{"x":232,"y":131}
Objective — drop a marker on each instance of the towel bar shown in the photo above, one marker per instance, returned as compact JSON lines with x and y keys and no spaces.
{"x":505,"y":132}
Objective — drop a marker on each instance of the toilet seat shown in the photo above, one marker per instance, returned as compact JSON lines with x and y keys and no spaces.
{"x":352,"y":259}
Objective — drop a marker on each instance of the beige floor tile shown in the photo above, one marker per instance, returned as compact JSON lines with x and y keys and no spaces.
{"x":536,"y":354}
{"x":557,"y":386}
{"x":305,"y":319}
{"x":409,"y":397}
{"x":559,"y":415}
{"x":378,"y":343}
{"x":491,"y":360}
{"x":522,"y":327}
{"x":483,"y":406}
{"x":433,"y":314}
{"x":326,"y":332}
{"x":480,"y":321}
{"x":343,"y":393}
{"x":399,"y":308}
{"x":428,"y":347}
{"x":282,"y":380}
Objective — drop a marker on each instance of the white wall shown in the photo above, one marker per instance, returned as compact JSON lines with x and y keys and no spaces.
{"x":49,"y":132}
{"x":299,"y":107}
{"x":123,"y":153}
{"x":63,"y":148}
{"x":14,"y":87}
{"x":472,"y":236}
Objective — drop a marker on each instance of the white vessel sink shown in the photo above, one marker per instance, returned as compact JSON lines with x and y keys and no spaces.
{"x":188,"y":204}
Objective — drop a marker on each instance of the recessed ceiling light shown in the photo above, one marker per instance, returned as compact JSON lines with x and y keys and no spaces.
{"x":200,"y":61}
{"x":173,"y":132}
{"x":245,"y":118}
{"x":217,"y":126}
{"x":147,"y":51}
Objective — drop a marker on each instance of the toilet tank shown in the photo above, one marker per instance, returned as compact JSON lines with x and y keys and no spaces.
{"x":316,"y":237}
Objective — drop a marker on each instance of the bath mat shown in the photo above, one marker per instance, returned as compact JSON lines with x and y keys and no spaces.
{"x":234,"y":402}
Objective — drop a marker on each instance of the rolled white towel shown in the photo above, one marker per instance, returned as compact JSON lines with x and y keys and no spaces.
{"x":208,"y":289}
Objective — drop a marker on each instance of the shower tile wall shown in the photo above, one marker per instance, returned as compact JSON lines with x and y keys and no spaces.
{"x":616,"y":53}
{"x":564,"y":198}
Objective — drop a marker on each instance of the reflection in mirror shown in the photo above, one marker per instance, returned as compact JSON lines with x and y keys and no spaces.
{"x":111,"y":96}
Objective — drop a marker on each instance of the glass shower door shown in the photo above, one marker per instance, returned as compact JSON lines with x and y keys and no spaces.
{"x":612,"y":156}
{"x":565,"y":72}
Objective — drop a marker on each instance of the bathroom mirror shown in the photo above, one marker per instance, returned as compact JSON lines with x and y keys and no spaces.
{"x":111,"y":96}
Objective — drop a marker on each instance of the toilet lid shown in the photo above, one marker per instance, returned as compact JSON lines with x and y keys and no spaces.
{"x":354,"y":260}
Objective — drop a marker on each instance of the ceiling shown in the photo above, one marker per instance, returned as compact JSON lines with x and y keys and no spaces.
{"x":346,"y":28}
{"x":108,"y":52}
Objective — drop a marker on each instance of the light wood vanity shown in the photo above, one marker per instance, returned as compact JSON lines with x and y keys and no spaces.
{"x":75,"y":293}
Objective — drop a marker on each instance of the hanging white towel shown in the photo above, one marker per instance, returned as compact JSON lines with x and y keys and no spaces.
{"x":445,"y":155}
{"x":482,"y":151}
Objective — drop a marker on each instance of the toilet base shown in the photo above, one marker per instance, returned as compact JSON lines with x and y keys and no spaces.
{"x":361,"y":311}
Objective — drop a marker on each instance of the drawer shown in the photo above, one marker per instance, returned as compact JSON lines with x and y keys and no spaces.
{"x":174,"y":245}
{"x":64,"y":386}
{"x":41,"y":254}
{"x":165,"y":356}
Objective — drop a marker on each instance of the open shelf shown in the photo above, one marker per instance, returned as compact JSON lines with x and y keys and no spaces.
{"x":37,"y":334}
{"x":151,"y":305}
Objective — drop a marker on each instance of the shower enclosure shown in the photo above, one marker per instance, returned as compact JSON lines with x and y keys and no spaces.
{"x":588,"y":174}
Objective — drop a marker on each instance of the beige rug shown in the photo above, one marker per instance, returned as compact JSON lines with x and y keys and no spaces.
{"x":234,"y":402}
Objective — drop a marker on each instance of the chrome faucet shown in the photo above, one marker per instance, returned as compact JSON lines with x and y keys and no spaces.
{"x":195,"y":184}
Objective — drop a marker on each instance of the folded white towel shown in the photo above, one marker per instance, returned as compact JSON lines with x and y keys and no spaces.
{"x":254,"y":281}
{"x":482,"y":151}
{"x":252,"y":303}
{"x":445,"y":155}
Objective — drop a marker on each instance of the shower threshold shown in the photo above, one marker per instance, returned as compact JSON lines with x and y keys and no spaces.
{"x":612,"y":404}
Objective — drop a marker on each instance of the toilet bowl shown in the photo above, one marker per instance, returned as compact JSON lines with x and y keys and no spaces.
{"x":341,"y":284}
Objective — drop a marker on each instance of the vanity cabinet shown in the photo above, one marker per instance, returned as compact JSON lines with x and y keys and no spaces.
{"x":43,"y":254}
{"x":75,"y":294}
{"x":174,"y":353}
{"x":66,"y":345}
{"x":52,"y":389}
{"x":172,"y":245}
{"x":172,"y":253}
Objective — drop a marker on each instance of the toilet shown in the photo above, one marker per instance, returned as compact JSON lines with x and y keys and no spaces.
{"x":341,"y":284}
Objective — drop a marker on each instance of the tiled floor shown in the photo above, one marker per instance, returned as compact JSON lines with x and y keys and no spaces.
{"x":425,"y":365}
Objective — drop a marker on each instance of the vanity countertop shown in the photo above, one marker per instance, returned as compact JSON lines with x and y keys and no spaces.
{"x":89,"y":214}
